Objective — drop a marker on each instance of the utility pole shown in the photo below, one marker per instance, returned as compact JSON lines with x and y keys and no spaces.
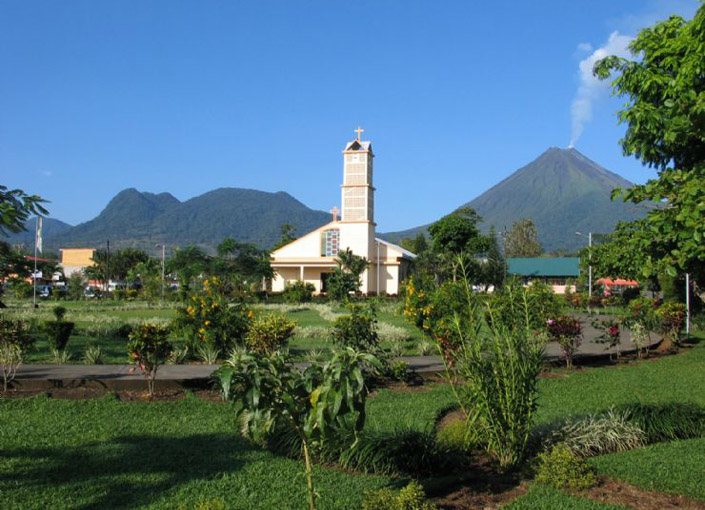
{"x":589,"y":236}
{"x":687,"y":305}
{"x":107,"y":268}
{"x":163,"y":273}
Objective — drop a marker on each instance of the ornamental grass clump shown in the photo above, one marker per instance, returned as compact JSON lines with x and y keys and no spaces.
{"x":599,"y":434}
{"x":499,"y":366}
{"x":568,"y":333}
{"x":149,"y":348}
{"x":14,"y":342}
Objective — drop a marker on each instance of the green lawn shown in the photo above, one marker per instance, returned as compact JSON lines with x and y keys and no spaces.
{"x":107,"y":454}
{"x":93,"y":318}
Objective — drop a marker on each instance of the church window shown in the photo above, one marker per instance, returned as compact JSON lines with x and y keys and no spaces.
{"x":330,"y":242}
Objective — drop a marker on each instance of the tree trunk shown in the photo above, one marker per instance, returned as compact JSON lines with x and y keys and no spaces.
{"x":309,"y":477}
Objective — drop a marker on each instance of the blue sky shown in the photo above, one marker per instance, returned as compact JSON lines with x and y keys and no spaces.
{"x":186,"y":97}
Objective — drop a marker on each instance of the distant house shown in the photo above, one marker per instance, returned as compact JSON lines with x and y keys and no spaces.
{"x":555,"y":271}
{"x":74,"y":260}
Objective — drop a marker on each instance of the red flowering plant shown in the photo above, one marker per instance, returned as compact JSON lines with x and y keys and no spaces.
{"x":671,"y":318}
{"x":568,"y":333}
{"x":611,"y":333}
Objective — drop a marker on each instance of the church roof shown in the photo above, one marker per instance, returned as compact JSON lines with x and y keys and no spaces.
{"x":358,"y":145}
{"x":405,"y":253}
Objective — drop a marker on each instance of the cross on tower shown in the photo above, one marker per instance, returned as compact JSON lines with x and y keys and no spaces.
{"x":359,"y":131}
{"x":335,"y":212}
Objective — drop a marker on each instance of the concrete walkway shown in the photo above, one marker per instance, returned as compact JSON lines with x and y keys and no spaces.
{"x":126,"y":376}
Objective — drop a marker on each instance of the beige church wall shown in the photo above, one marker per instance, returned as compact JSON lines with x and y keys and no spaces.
{"x":308,"y":246}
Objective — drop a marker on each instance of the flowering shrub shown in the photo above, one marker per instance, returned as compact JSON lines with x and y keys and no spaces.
{"x":417,"y":302}
{"x":210,"y":319}
{"x":568,"y":333}
{"x":149,"y":347}
{"x":611,"y":333}
{"x":14,"y":342}
{"x":671,"y":317}
{"x":269,"y":333}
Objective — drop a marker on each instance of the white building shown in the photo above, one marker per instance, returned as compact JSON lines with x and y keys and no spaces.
{"x":311,"y":258}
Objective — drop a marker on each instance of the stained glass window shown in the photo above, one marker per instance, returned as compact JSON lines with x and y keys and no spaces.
{"x":330,"y":242}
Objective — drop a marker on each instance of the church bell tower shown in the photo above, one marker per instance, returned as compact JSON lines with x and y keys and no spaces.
{"x":358,"y":195}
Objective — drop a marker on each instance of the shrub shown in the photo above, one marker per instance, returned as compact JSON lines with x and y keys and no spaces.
{"x":211,"y":319}
{"x":516,"y":307}
{"x":671,"y":317}
{"x":149,"y":347}
{"x":93,"y":355}
{"x":298,"y":292}
{"x":59,"y":357}
{"x":401,"y":452}
{"x":14,"y":342}
{"x":425,"y":347}
{"x":178,"y":355}
{"x":208,"y":354}
{"x":561,"y":468}
{"x":666,"y":422}
{"x":411,"y":497}
{"x":269,"y":333}
{"x":59,"y":312}
{"x":499,"y":366}
{"x":399,"y":371}
{"x":640,"y":337}
{"x":357,"y":330}
{"x":457,"y":436}
{"x":599,"y":434}
{"x":567,"y":332}
{"x":396,"y":350}
{"x":611,"y":333}
{"x":316,"y":404}
{"x":58,"y":333}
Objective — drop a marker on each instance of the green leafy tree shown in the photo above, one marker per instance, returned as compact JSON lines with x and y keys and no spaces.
{"x":324,"y":402}
{"x":418,"y":245}
{"x":287,"y":235}
{"x":522,"y":240}
{"x":457,"y":235}
{"x":16,"y":207}
{"x":665,"y":116}
{"x":346,"y":278}
{"x":188,"y":264}
{"x":147,"y":274}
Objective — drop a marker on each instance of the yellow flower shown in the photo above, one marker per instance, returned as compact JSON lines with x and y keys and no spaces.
{"x":202,"y":330}
{"x":250,"y":314}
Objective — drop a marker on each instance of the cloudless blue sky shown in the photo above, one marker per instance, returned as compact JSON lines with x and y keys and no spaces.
{"x":190,"y":96}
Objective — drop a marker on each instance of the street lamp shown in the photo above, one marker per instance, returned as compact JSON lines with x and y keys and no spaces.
{"x":589,"y":236}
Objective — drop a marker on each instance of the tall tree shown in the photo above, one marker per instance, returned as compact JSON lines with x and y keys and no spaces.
{"x":188,"y":263}
{"x":664,"y":84}
{"x":522,"y":240}
{"x":457,"y":234}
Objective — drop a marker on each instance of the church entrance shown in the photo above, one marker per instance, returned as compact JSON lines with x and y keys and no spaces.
{"x":324,"y":282}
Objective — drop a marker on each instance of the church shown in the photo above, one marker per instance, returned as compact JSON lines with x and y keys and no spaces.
{"x":311,"y":258}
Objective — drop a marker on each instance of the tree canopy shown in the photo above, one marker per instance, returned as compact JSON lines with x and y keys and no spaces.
{"x":16,"y":206}
{"x":522,"y":240}
{"x":664,"y":84}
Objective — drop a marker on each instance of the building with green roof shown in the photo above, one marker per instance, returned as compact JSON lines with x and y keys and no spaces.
{"x":553,"y":271}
